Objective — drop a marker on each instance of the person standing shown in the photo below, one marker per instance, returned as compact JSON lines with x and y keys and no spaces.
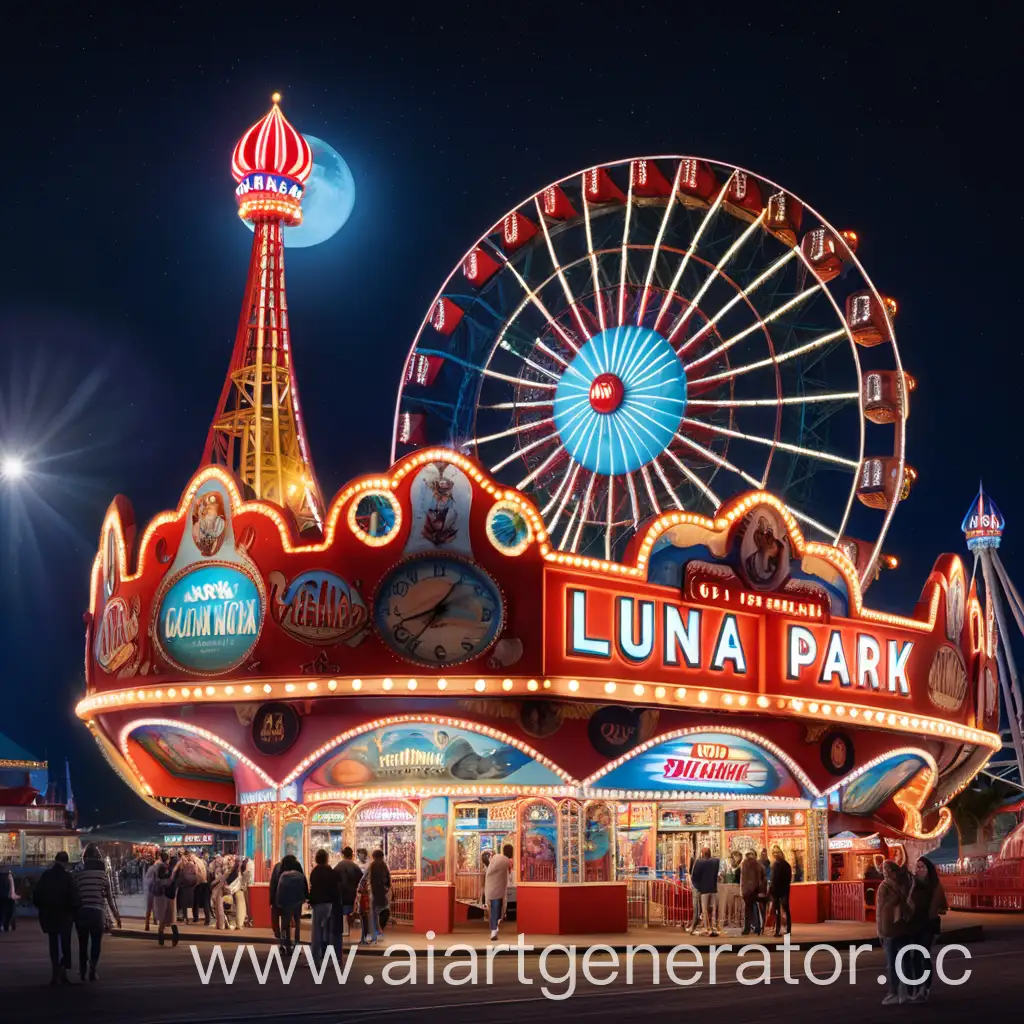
{"x":929,"y":902}
{"x":705,"y":883}
{"x":220,"y":868}
{"x":324,"y":896}
{"x":893,"y":909}
{"x":56,"y":898}
{"x":163,"y":900}
{"x":147,"y":886}
{"x":275,"y":910}
{"x":8,"y":898}
{"x":186,"y":873}
{"x":349,"y":876}
{"x":94,"y":899}
{"x":376,"y":885}
{"x":201,"y":900}
{"x":751,"y":882}
{"x":782,"y":878}
{"x":291,"y":893}
{"x":496,"y":879}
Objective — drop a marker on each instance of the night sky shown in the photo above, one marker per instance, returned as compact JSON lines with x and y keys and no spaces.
{"x":124,"y":259}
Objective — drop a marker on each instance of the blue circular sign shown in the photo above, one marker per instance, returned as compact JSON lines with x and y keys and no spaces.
{"x":620,"y":401}
{"x":209,"y":618}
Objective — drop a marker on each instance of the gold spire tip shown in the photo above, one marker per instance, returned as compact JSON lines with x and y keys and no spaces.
{"x":276,"y":98}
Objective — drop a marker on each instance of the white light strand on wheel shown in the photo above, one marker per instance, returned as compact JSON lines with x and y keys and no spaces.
{"x":667,"y":485}
{"x":736,"y":403}
{"x":625,"y":252}
{"x":738,"y":371}
{"x":632,"y":497}
{"x":657,"y":242}
{"x":590,"y":253}
{"x":650,"y":489}
{"x":568,"y":528}
{"x":716,"y":502}
{"x":571,"y":477}
{"x":547,"y":351}
{"x":574,"y":547}
{"x":608,"y":530}
{"x":718,"y":460}
{"x":712,"y":209}
{"x":535,"y":299}
{"x":518,"y":380}
{"x":796,"y":449}
{"x":570,"y":298}
{"x":758,"y":324}
{"x":520,"y":429}
{"x":739,"y":297}
{"x":540,"y":469}
{"x":553,"y":436}
{"x":519,"y":405}
{"x":719,"y":267}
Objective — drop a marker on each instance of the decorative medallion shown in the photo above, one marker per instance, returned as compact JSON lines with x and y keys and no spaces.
{"x":947,"y":679}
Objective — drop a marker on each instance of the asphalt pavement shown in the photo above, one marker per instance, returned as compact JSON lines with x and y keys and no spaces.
{"x":143,"y":983}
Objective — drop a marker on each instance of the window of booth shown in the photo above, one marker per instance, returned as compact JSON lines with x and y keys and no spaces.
{"x":633,"y":848}
{"x":388,"y":825}
{"x":291,"y":840}
{"x":249,"y":833}
{"x":538,"y":838}
{"x":599,"y":843}
{"x":265,"y":847}
{"x":570,"y":824}
{"x":770,"y":829}
{"x":327,"y":831}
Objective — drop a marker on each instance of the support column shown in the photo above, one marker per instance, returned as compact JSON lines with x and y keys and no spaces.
{"x":434,"y":891}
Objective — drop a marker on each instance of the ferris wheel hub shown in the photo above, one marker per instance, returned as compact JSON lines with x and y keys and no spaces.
{"x":620,"y":400}
{"x":606,"y":393}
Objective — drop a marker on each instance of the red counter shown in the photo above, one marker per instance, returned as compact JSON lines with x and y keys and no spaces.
{"x":586,"y":909}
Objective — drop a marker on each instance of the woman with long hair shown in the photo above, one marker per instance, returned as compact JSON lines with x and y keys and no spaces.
{"x":929,"y":899}
{"x":163,"y":901}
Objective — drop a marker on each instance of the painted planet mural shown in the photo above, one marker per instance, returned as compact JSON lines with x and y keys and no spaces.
{"x":327,"y":200}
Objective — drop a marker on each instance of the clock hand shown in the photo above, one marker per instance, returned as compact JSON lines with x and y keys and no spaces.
{"x":419,"y":615}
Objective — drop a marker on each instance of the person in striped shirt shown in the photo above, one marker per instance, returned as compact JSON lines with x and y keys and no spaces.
{"x":95,"y":896}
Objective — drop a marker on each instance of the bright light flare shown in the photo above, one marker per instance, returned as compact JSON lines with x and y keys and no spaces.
{"x":12,"y":467}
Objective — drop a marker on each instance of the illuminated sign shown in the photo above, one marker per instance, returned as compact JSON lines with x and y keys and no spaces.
{"x":275,"y":727}
{"x":385,"y":813}
{"x":329,"y":817}
{"x":710,"y":592}
{"x":269,"y":183}
{"x":785,"y":819}
{"x":855,"y":842}
{"x":190,"y":839}
{"x":117,"y":633}
{"x":268,"y":796}
{"x":317,"y":607}
{"x":209,"y":618}
{"x":835,"y":657}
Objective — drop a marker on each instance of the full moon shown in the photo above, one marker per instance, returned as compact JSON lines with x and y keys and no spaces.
{"x":327,"y":201}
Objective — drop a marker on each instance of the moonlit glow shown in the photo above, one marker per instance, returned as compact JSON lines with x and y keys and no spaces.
{"x":13,"y":467}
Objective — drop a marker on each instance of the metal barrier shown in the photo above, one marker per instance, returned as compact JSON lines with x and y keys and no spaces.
{"x":846,"y":901}
{"x":661,"y":902}
{"x":401,"y":897}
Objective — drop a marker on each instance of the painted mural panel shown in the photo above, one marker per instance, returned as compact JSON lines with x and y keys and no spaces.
{"x":869,"y":791}
{"x":185,"y":755}
{"x":717,"y":763}
{"x":427,"y":753}
{"x":434,"y":839}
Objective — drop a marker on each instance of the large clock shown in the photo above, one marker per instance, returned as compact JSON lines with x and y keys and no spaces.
{"x":438,"y":610}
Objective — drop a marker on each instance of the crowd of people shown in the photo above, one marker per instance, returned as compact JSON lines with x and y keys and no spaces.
{"x":763,"y":885}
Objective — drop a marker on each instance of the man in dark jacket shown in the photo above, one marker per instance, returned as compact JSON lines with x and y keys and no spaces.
{"x":324,"y":896}
{"x":56,"y":898}
{"x":349,"y":876}
{"x":705,"y":882}
{"x":275,"y":910}
{"x":782,"y":876}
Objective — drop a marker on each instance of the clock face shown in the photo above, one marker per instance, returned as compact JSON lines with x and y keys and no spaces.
{"x":436,"y":610}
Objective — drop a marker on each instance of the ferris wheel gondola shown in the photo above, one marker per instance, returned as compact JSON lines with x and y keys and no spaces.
{"x":659,"y":334}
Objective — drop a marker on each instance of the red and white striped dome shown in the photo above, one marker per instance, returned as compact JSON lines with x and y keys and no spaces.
{"x":272,"y":146}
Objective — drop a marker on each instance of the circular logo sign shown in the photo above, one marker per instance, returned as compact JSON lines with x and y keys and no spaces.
{"x":614,"y":730}
{"x":209,"y":618}
{"x":837,"y":753}
{"x":275,"y":727}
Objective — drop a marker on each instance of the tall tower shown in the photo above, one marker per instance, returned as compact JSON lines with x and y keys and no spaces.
{"x":257,"y":431}
{"x":983,"y":527}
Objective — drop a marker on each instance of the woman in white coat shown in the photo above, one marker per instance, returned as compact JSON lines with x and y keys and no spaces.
{"x":496,"y":880}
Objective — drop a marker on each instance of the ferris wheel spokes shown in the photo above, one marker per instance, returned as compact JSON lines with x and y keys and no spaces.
{"x":624,"y":259}
{"x":708,"y":217}
{"x":795,"y":449}
{"x":591,"y":254}
{"x":837,"y":396}
{"x":570,"y":298}
{"x":669,"y":206}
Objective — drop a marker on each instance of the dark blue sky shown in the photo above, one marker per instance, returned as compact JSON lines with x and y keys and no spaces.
{"x":124,"y":260}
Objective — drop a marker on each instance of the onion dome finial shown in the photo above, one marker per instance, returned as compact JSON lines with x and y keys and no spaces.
{"x":271,"y":164}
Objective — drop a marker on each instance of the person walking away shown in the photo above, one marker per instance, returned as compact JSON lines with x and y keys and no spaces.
{"x":186,"y":889}
{"x":694,"y":896}
{"x":705,"y":882}
{"x":291,"y":893}
{"x":56,"y":897}
{"x":201,"y":900}
{"x":220,"y":868}
{"x":8,"y":898}
{"x":349,"y":876}
{"x":147,"y":885}
{"x":929,"y":901}
{"x":374,"y":888}
{"x":496,"y":878}
{"x":782,"y":878}
{"x":94,"y":899}
{"x":324,"y":895}
{"x":751,"y":880}
{"x":893,"y":911}
{"x":163,"y":900}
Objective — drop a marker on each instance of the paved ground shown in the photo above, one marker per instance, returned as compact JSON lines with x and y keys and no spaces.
{"x":144,"y":984}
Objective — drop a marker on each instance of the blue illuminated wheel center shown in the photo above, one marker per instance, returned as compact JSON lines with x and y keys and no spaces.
{"x":620,"y":401}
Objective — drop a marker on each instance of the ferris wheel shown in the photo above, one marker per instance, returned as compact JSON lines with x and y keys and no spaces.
{"x":659,"y":334}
